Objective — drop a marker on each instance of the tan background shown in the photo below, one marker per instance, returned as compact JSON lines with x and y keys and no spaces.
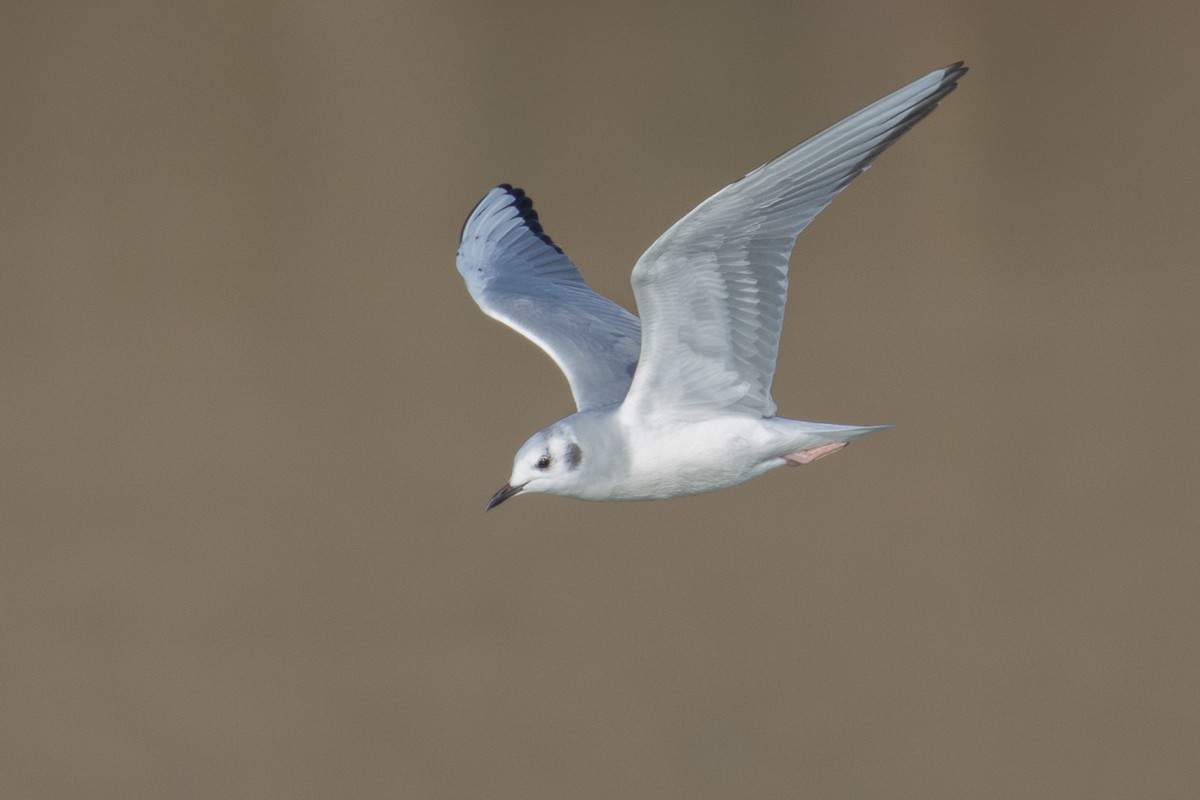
{"x":249,"y":416}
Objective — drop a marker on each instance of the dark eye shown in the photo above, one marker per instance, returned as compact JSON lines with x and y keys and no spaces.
{"x":543,"y":462}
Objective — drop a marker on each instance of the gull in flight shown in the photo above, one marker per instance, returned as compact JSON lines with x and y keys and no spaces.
{"x":679,"y":402}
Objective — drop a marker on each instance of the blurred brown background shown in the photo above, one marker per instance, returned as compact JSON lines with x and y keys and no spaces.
{"x":249,"y":416}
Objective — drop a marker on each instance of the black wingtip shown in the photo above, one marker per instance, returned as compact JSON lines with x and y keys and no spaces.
{"x":524,"y":205}
{"x":952,"y":73}
{"x":923,"y":109}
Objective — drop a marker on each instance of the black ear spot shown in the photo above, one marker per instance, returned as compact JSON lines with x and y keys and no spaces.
{"x":574,"y":455}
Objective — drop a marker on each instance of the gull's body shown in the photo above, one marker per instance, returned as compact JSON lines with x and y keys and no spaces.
{"x":679,"y":402}
{"x":651,"y":459}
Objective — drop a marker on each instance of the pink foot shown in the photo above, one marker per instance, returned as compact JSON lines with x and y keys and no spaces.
{"x":813,"y":453}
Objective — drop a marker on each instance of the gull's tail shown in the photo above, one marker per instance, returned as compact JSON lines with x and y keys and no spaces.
{"x":805,"y":442}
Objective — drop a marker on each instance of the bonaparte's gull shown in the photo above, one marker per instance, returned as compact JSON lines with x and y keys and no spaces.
{"x":679,"y":403}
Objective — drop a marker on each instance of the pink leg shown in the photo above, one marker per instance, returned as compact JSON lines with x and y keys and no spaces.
{"x":813,"y":453}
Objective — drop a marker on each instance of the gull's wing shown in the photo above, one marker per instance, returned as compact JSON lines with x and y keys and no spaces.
{"x":711,"y":290}
{"x":519,"y":276}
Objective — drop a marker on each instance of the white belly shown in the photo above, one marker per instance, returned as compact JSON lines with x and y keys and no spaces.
{"x":696,"y":457}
